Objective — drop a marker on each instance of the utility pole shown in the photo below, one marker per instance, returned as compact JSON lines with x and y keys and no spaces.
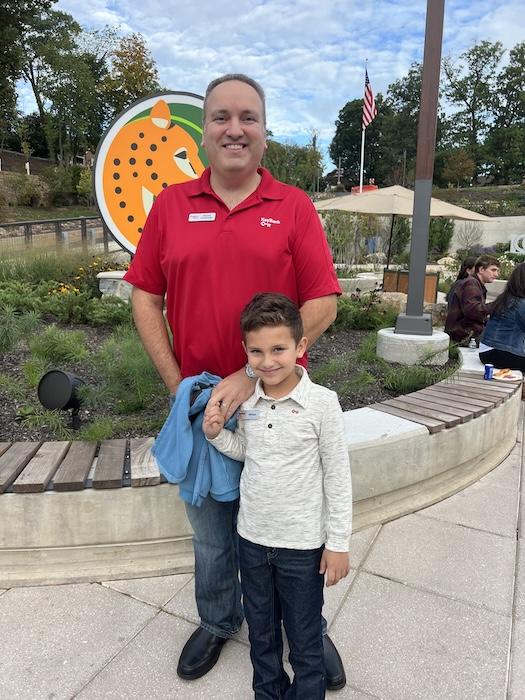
{"x":414,"y":321}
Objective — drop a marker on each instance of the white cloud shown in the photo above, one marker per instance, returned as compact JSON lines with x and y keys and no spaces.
{"x":308,"y":55}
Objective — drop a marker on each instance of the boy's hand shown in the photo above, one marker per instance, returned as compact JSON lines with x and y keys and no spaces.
{"x":213,"y":421}
{"x":335,"y":565}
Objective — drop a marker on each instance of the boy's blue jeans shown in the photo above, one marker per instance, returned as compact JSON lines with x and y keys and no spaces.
{"x":217,"y":588}
{"x":284,"y":584}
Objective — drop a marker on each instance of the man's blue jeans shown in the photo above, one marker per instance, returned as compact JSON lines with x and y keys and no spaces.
{"x":284,"y":584}
{"x":217,"y":588}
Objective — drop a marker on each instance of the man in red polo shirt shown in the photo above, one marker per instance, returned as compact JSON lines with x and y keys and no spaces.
{"x":207,"y":247}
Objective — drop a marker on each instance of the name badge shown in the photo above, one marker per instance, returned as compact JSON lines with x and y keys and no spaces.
{"x":202,"y":216}
{"x":249,"y":414}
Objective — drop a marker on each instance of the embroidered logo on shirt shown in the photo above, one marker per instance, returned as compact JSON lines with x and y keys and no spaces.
{"x":267,"y":221}
{"x":294,"y":410}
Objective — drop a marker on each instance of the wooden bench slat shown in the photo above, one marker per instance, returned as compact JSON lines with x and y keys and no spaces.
{"x":39,"y":470}
{"x":433,"y":426}
{"x":110,"y":464}
{"x":447,"y":400}
{"x":447,"y":418}
{"x":489,"y":394}
{"x":491,"y":385}
{"x":478,"y":377}
{"x":14,"y":460}
{"x":462,"y":390}
{"x":143,"y":465}
{"x":72,"y":473}
{"x":460,"y":396}
{"x":4,"y":446}
{"x":461,"y":413}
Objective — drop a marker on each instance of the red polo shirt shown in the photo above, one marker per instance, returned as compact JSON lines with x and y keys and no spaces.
{"x":210,"y":261}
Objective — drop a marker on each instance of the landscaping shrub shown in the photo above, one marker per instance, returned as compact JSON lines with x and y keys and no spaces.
{"x":108,"y":311}
{"x":363,"y":312}
{"x":55,"y":345}
{"x":62,"y":182}
{"x":15,"y":326}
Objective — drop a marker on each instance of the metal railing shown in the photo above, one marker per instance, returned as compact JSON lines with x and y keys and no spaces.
{"x":88,"y":233}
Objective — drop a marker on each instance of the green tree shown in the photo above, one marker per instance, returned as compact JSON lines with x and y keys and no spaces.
{"x":439,"y":236}
{"x":133,"y":73}
{"x":472,"y":84}
{"x":293,"y":164}
{"x":458,"y":167}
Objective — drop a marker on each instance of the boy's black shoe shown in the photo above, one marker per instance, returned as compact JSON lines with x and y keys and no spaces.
{"x":334,"y":670}
{"x":200,"y":654}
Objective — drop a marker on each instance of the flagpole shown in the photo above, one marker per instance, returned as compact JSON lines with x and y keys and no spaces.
{"x":362,"y":159}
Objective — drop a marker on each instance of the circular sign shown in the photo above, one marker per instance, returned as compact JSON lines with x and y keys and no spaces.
{"x":152,"y":144}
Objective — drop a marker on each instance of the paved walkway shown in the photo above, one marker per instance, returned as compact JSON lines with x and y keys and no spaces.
{"x":434,"y":607}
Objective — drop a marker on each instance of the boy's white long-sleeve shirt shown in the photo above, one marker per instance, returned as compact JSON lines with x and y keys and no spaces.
{"x":296,"y":486}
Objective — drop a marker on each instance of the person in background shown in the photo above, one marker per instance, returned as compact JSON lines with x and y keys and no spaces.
{"x":466,"y":270}
{"x":467,"y":309}
{"x":503,"y":340}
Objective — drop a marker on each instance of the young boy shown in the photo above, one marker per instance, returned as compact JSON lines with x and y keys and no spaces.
{"x":295,"y":511}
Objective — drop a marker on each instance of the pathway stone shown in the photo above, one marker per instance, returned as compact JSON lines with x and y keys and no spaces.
{"x":155,"y":591}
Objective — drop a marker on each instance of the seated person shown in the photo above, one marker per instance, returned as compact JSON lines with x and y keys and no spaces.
{"x":466,"y":270}
{"x":467,"y":308}
{"x":503,"y":341}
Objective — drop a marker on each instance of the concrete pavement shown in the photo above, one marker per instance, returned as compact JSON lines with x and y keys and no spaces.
{"x":433,"y":608}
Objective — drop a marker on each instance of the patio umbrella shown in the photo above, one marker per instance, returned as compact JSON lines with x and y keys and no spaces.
{"x":394,"y":201}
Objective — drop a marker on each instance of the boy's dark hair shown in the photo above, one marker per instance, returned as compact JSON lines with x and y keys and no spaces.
{"x":270,"y":309}
{"x":486,"y":261}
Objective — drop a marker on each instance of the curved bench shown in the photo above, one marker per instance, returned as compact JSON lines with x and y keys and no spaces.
{"x":86,"y":511}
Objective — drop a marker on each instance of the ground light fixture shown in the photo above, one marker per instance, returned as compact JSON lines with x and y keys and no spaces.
{"x":58,"y":390}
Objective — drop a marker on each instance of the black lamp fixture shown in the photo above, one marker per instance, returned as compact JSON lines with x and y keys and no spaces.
{"x":58,"y":389}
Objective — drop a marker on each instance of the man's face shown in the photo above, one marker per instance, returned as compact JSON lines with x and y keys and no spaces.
{"x":488,"y":274}
{"x":234,"y":131}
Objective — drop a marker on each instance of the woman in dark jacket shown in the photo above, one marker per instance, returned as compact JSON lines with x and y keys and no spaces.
{"x":503,"y":340}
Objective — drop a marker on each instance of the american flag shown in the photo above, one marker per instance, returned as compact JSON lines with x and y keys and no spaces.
{"x":369,"y":105}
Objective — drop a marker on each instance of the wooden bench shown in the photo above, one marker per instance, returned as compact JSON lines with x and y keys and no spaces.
{"x":446,"y":404}
{"x":31,"y":467}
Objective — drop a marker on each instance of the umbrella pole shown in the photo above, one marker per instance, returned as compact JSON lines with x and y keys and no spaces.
{"x":390,"y":241}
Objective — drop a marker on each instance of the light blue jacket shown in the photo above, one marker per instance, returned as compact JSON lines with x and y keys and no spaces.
{"x":506,"y":331}
{"x":184,"y":455}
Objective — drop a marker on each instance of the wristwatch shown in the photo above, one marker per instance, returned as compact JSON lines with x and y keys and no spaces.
{"x":249,"y":371}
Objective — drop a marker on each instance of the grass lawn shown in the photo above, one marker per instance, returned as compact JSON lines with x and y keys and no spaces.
{"x":12,"y":214}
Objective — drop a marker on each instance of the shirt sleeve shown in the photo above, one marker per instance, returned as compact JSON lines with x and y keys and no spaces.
{"x":311,"y":254}
{"x":472,"y":302}
{"x":337,"y":478}
{"x":145,"y":271}
{"x":232,"y":444}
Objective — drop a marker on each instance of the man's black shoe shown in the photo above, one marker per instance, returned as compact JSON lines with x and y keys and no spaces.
{"x":335,"y":673}
{"x":200,"y":654}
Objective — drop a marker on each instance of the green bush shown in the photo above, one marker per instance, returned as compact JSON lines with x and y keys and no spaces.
{"x":67,"y":304}
{"x":55,"y":345}
{"x":410,"y":378}
{"x":363,"y":312}
{"x":131,"y":382}
{"x":107,"y":311}
{"x":15,"y":327}
{"x":22,"y":296}
{"x":439,"y":236}
{"x":62,"y":182}
{"x":85,"y":187}
{"x":25,"y":190}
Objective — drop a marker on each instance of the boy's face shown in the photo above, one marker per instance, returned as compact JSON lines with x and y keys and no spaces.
{"x":488,"y":274}
{"x":272,"y":354}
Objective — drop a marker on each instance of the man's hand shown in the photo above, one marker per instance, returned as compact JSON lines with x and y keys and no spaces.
{"x":232,"y":391}
{"x":335,"y":565}
{"x":213,"y":421}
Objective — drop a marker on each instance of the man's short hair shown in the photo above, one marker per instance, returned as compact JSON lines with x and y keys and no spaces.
{"x":486,"y":261}
{"x":241,"y":78}
{"x":270,"y":309}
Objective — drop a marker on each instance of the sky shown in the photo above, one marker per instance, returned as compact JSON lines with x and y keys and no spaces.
{"x":309,"y":55}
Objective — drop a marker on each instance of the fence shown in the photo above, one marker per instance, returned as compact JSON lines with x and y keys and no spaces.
{"x":86,"y":233}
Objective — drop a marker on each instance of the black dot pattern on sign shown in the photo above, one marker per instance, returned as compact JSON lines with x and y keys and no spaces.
{"x":164,"y":138}
{"x":118,"y":190}
{"x":270,"y":425}
{"x":164,"y":185}
{"x":122,"y":205}
{"x":272,"y":407}
{"x":153,"y":147}
{"x":149,"y":161}
{"x":132,"y":161}
{"x":134,"y":146}
{"x":141,"y":135}
{"x":116,"y":161}
{"x":139,"y":229}
{"x":135,"y":174}
{"x":131,"y":218}
{"x":154,"y":176}
{"x":116,"y":176}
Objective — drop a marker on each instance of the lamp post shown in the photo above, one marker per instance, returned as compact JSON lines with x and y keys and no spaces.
{"x":414,"y":321}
